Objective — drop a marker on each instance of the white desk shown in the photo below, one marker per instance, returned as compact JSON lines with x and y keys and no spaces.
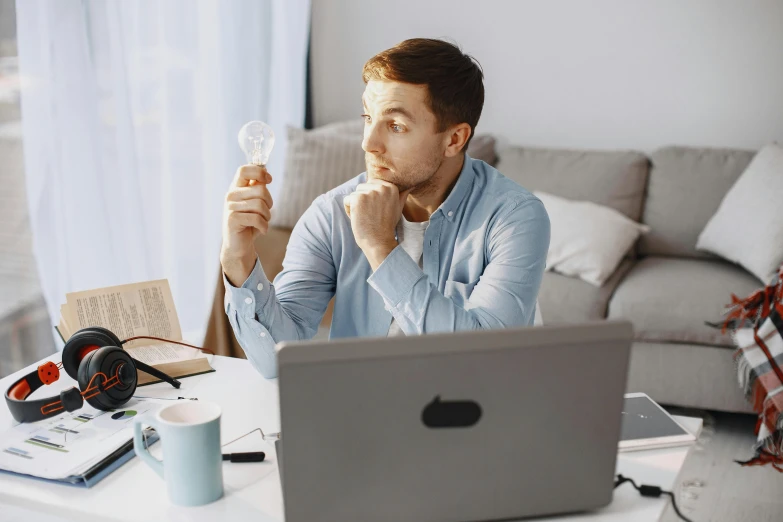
{"x":252,"y":490}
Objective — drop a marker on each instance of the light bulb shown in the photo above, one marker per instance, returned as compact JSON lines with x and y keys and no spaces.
{"x":256,"y":140}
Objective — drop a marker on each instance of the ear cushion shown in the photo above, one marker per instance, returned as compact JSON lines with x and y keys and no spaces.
{"x":107,"y":360}
{"x":73,"y":350}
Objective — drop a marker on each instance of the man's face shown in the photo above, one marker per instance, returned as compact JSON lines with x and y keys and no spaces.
{"x":401,"y":142}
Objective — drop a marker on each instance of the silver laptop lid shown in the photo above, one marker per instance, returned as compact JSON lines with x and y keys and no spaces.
{"x":468,"y":426}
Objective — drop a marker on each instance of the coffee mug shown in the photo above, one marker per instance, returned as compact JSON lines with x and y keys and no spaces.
{"x":192,"y":464}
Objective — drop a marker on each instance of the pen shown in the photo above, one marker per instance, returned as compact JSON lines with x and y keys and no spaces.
{"x":250,"y":456}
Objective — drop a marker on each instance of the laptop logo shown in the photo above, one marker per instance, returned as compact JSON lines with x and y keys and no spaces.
{"x":450,"y":414}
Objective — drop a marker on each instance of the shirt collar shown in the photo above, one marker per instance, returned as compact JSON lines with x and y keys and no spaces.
{"x":464,"y":182}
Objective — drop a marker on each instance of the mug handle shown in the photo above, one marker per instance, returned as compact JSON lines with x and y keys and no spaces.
{"x":138,"y":445}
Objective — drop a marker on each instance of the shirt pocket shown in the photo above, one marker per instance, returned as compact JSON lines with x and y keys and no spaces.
{"x":459,"y":292}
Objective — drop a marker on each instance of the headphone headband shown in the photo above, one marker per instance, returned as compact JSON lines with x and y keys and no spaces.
{"x":94,"y":358}
{"x":30,"y":411}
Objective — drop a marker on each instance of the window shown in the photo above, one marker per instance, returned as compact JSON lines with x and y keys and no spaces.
{"x":25,"y":326}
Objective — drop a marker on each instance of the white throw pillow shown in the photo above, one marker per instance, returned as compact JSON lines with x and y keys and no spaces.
{"x":747,"y":228}
{"x":587,"y":240}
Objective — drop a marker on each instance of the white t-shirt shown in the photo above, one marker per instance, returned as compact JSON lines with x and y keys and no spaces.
{"x":410,"y":235}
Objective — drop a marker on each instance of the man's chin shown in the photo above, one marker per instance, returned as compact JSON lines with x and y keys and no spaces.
{"x":382,"y":174}
{"x":389,"y":177}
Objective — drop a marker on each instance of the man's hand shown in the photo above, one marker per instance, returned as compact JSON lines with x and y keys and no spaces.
{"x":246,"y":214}
{"x":375,"y":209}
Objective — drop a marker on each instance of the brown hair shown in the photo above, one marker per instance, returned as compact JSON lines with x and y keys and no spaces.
{"x":454,"y":80}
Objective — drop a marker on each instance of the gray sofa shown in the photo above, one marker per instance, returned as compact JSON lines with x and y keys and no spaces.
{"x":664,"y":286}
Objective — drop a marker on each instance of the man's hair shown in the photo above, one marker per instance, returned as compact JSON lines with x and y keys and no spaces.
{"x":454,"y":80}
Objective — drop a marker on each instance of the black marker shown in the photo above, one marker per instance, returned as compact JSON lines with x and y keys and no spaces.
{"x":251,"y":456}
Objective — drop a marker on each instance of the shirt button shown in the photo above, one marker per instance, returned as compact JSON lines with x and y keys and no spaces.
{"x":248,"y":300}
{"x":451,"y":213}
{"x":263,"y":334}
{"x":260,"y":286}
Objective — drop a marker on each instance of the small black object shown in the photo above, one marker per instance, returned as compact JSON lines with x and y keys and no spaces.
{"x":450,"y":414}
{"x":651,"y":491}
{"x":250,"y":456}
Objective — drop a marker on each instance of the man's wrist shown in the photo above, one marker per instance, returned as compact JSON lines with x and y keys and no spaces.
{"x":378,"y":253}
{"x":237,"y":267}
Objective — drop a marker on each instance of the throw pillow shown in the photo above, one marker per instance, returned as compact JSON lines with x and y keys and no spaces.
{"x":587,"y":240}
{"x":316,"y":162}
{"x":747,"y":228}
{"x":320,"y":159}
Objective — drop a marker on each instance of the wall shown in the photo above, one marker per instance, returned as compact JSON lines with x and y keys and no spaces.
{"x":597,"y":74}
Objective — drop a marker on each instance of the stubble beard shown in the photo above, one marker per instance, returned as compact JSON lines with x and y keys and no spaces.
{"x":427,"y":172}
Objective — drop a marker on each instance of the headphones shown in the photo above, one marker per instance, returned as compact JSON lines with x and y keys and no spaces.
{"x":94,"y":358}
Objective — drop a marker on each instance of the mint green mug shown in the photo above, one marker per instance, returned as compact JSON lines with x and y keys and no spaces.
{"x":192,"y":464}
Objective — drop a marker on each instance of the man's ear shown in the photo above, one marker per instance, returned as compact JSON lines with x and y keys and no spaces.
{"x":458,"y":136}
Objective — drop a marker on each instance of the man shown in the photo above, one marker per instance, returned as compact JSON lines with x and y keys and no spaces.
{"x":427,"y":240}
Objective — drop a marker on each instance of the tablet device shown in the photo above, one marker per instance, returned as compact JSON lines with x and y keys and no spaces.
{"x":645,"y":425}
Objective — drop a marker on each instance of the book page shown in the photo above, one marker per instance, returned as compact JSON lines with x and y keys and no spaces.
{"x":164,"y":353}
{"x":127,"y":310}
{"x":65,"y":330}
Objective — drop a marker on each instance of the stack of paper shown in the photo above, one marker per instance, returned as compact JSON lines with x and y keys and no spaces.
{"x":68,"y":447}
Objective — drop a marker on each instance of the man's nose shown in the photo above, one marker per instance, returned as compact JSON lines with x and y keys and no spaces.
{"x":372,"y":141}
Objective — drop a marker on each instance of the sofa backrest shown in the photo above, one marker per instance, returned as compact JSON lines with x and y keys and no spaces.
{"x":614,"y":179}
{"x":684,"y":189}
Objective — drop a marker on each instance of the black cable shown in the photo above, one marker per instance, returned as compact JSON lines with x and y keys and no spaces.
{"x":651,"y":491}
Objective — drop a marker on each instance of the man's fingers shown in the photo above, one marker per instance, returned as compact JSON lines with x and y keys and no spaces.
{"x":347,"y":202}
{"x":376,"y":181}
{"x":252,"y":192}
{"x":258,"y":206}
{"x":366,"y":188}
{"x":249,"y":219}
{"x":266,"y":182}
{"x":249,"y":175}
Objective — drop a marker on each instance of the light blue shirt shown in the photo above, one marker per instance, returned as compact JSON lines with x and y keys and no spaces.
{"x":483,"y":260}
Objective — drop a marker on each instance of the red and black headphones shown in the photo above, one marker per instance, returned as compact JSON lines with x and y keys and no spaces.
{"x":94,"y":358}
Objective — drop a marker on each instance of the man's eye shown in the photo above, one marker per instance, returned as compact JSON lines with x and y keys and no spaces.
{"x":366,"y":118}
{"x":397,"y":128}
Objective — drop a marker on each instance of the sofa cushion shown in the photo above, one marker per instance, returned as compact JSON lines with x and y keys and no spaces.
{"x":747,"y":229}
{"x":612,"y":179}
{"x":587,"y":240}
{"x":685,"y":188}
{"x":668,"y":299}
{"x":568,"y":300}
{"x":316,"y":162}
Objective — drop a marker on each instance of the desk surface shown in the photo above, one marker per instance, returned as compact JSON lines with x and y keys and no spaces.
{"x":252,"y":490}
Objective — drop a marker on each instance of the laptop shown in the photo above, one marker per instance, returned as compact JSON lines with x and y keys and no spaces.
{"x":467,"y":426}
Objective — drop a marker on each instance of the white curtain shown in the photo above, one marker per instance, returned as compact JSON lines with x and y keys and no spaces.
{"x":130,"y":112}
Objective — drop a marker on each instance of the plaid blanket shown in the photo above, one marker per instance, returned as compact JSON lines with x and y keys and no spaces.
{"x":756,"y":323}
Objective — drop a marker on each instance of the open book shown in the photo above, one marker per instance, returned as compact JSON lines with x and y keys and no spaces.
{"x":131,"y":310}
